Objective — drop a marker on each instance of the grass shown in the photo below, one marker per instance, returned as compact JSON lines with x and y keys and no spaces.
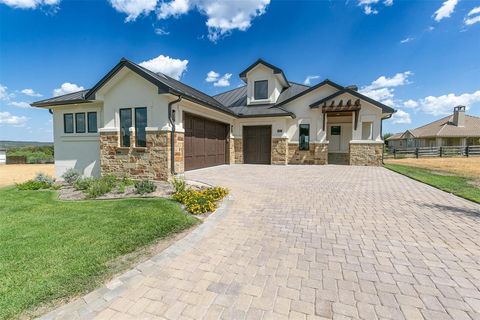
{"x":51,"y":250}
{"x":463,"y":166}
{"x":458,"y":185}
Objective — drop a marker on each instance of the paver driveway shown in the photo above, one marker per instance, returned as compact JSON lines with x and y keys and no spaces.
{"x":308,"y":242}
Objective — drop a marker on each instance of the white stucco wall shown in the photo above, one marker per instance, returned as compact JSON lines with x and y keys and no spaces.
{"x":261,"y":72}
{"x":76,"y":150}
{"x":3,"y":156}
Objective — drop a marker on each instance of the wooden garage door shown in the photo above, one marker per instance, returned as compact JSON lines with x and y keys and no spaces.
{"x":257,"y":144}
{"x":205,"y":142}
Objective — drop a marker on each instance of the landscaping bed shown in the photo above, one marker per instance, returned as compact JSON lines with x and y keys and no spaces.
{"x":54,"y":250}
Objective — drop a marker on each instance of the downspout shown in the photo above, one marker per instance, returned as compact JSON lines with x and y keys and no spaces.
{"x":172,"y":135}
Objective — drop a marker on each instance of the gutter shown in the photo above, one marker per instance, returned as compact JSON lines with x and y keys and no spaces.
{"x":172,"y":135}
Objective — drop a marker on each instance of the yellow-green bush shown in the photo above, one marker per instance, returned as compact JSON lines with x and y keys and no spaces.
{"x":200,"y":201}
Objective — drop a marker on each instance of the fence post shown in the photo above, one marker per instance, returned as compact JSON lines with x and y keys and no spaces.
{"x":394,"y":153}
{"x":441,"y":151}
{"x":416,"y":153}
{"x":466,"y":151}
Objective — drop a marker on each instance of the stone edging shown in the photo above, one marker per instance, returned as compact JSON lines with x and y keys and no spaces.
{"x":87,"y":306}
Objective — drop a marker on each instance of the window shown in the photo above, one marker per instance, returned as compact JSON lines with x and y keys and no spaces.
{"x":68,"y":123}
{"x":367,"y":133}
{"x":260,"y":90}
{"x":335,"y":130}
{"x":92,"y":122}
{"x":80,"y":122}
{"x":125,"y":124}
{"x":140,"y":125}
{"x":304,"y":140}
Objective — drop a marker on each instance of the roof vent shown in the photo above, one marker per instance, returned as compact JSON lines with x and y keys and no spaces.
{"x":353,"y":87}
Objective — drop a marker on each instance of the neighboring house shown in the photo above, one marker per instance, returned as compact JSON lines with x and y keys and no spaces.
{"x":457,"y":129}
{"x":3,"y":156}
{"x":148,"y":125}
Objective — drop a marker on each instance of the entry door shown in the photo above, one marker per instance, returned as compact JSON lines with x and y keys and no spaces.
{"x":257,"y":144}
{"x":339,"y":136}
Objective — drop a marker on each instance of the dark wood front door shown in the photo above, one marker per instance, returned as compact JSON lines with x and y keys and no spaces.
{"x":205,"y":142}
{"x":257,"y":144}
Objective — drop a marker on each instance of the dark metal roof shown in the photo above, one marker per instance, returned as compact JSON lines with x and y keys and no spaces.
{"x":69,"y":98}
{"x":233,"y":102}
{"x":382,"y":106}
{"x":276,"y":70}
{"x":310,"y":89}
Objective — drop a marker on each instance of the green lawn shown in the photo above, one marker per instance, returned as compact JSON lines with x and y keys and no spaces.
{"x":52,"y":249}
{"x":458,"y":185}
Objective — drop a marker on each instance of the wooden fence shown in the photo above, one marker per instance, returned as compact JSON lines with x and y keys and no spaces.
{"x":447,"y":151}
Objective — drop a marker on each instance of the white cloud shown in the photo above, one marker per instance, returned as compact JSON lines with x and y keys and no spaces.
{"x":407,"y":40}
{"x":382,"y":89}
{"x":166,"y":65}
{"x":134,"y":8}
{"x":222,"y":16}
{"x":224,"y":81}
{"x":66,"y":88}
{"x":3,"y":92}
{"x":212,"y":76}
{"x":308,"y":80}
{"x":161,"y":32}
{"x":401,"y":117}
{"x":29,"y":4}
{"x":410,"y":104}
{"x":174,"y":8}
{"x":443,"y":105}
{"x":369,"y":5}
{"x":21,"y":104}
{"x":31,"y":93}
{"x":473,"y":16}
{"x":445,"y":10}
{"x":6,"y":118}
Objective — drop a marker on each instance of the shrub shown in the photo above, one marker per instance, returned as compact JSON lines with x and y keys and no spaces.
{"x":145,"y":186}
{"x":99,"y":186}
{"x":42,"y":177}
{"x":33,"y":185}
{"x":83,"y":183}
{"x":200,"y":201}
{"x":178,"y":184}
{"x":71,"y":175}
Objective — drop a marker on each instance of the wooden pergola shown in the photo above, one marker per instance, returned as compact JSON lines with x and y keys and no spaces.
{"x":340,"y":107}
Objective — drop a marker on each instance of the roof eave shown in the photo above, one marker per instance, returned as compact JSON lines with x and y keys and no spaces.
{"x":59,"y":103}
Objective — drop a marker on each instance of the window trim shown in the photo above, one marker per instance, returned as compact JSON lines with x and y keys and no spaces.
{"x":120,"y":127}
{"x":255,"y":91}
{"x":65,"y":123}
{"x":88,"y":122}
{"x":76,"y":122}
{"x":135,"y":124}
{"x":307,"y":125}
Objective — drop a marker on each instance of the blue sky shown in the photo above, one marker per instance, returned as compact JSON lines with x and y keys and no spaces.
{"x":421,"y":57}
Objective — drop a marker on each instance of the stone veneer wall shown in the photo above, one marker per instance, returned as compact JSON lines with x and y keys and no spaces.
{"x":152,"y":162}
{"x":366,"y":154}
{"x":279,"y":152}
{"x":317,"y":154}
{"x":238,"y":150}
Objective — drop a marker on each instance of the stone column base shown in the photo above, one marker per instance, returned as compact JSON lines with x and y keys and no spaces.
{"x":237,"y":150}
{"x":366,"y":154}
{"x":279,"y":151}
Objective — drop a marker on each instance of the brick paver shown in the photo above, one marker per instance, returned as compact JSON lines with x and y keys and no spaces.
{"x":309,"y":242}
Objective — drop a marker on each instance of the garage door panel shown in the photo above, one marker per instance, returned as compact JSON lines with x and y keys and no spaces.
{"x":205,"y":145}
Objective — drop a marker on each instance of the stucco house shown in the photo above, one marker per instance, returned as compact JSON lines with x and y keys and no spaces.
{"x":147,"y":125}
{"x":457,"y":129}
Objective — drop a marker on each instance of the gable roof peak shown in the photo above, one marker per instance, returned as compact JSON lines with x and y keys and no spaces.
{"x":275,"y":69}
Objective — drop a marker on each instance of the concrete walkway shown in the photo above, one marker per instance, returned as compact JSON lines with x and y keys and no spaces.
{"x":309,"y":242}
